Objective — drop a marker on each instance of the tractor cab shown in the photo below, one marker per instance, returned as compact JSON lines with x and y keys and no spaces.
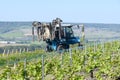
{"x":67,"y":32}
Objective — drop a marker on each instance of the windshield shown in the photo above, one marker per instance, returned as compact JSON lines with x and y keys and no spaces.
{"x":69,"y":32}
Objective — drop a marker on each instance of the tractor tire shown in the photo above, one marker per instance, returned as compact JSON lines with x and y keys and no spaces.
{"x":47,"y":49}
{"x":80,"y":46}
{"x":60,"y":49}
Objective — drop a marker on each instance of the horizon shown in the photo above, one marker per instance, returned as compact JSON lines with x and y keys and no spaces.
{"x":63,"y":22}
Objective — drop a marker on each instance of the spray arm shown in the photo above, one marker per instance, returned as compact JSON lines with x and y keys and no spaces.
{"x":33,"y":33}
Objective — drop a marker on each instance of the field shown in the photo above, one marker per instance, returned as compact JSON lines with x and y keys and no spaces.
{"x":98,"y":61}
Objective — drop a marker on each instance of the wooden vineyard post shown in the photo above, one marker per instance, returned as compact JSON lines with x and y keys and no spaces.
{"x":8,"y":52}
{"x":25,"y":72}
{"x":97,"y":45}
{"x":103,"y":47}
{"x":27,"y":49}
{"x":84,"y":55}
{"x":20,"y":50}
{"x":42,"y":67}
{"x":12,"y":51}
{"x":23,"y":49}
{"x":84,"y":59}
{"x":14,"y":65}
{"x":8,"y":76}
{"x":61,"y":59}
{"x":85,"y":49}
{"x":77,"y":49}
{"x":94,"y":47}
{"x":89,"y":45}
{"x":111,"y":44}
{"x":35,"y":49}
{"x":4,"y":52}
{"x":70,"y":51}
{"x":16,"y":51}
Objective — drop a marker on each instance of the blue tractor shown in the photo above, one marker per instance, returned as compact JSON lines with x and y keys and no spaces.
{"x":58,"y":36}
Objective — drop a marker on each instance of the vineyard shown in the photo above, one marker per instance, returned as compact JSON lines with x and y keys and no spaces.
{"x":95,"y":62}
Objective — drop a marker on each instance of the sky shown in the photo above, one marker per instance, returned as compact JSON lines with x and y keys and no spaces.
{"x":82,"y":11}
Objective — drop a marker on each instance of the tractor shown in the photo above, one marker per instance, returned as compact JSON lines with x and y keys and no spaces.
{"x":58,"y":35}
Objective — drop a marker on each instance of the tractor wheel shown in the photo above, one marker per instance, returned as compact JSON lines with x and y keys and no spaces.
{"x":47,"y":49}
{"x":80,"y":46}
{"x":60,"y":49}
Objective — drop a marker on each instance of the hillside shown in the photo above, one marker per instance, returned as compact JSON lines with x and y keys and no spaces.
{"x":102,"y":31}
{"x":21,"y":31}
{"x":14,"y":31}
